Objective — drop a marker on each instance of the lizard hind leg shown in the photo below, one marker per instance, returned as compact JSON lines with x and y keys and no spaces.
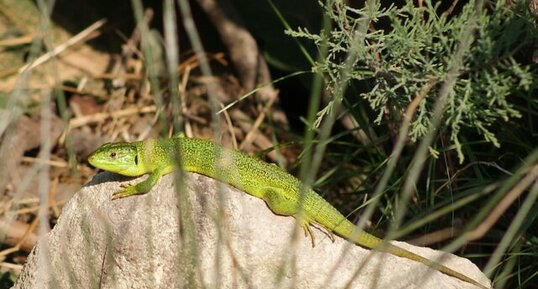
{"x":280,"y":203}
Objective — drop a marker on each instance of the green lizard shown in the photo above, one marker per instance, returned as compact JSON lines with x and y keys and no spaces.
{"x":280,"y":190}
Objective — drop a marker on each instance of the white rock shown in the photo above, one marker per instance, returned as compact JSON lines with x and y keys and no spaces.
{"x":219,"y":238}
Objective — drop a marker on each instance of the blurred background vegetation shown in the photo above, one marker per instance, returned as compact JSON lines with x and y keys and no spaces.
{"x":416,"y":118}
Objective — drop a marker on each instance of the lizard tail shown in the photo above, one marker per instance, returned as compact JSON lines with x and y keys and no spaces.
{"x":347,"y":229}
{"x":395,"y":250}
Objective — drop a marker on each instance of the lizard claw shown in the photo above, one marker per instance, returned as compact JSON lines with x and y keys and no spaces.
{"x":305,"y":224}
{"x":128,"y":190}
{"x":325,"y":230}
{"x":125,"y":185}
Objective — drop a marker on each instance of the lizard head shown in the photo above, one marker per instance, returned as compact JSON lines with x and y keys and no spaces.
{"x":121,"y":158}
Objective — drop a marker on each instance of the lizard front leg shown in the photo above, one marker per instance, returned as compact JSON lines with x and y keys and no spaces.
{"x":140,"y":188}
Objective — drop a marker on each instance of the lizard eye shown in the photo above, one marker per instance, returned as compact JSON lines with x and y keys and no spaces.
{"x":136,"y":160}
{"x":113,"y":155}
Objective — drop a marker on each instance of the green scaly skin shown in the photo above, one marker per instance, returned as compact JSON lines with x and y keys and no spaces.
{"x":280,"y":190}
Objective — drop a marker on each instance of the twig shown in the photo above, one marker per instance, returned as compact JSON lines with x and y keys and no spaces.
{"x":183,"y":99}
{"x":254,"y":129}
{"x":192,"y":62}
{"x":11,"y":266}
{"x":453,"y":177}
{"x":36,"y":208}
{"x":58,"y":164}
{"x":503,"y":205}
{"x":128,"y":76}
{"x":450,"y":9}
{"x":230,"y":127}
{"x":154,"y":120}
{"x":17,"y":234}
{"x":98,"y":117}
{"x":261,"y":141}
{"x":17,"y":40}
{"x":53,"y":204}
{"x":59,"y":49}
{"x":435,"y":237}
{"x":8,"y":251}
{"x":82,"y":92}
{"x":26,"y":201}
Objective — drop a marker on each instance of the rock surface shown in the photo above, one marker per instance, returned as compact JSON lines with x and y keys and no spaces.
{"x":215,"y":237}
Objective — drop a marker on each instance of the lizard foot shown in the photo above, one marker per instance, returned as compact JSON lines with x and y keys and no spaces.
{"x":127,"y":191}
